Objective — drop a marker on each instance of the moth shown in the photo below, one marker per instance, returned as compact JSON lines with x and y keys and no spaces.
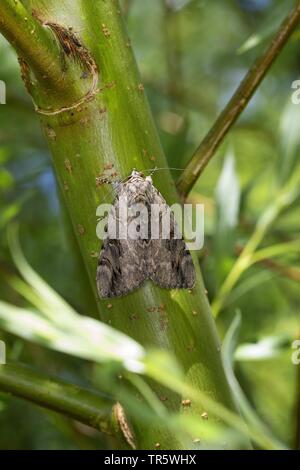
{"x":125,"y":263}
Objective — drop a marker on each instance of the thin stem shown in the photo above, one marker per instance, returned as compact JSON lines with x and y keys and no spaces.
{"x":237,"y":104}
{"x":290,"y":272}
{"x":70,"y":400}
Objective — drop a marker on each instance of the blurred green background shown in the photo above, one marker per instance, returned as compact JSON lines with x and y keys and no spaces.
{"x":192,"y":54}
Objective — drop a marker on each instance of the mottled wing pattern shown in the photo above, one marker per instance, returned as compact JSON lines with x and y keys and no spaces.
{"x":121,"y":267}
{"x":125,"y":264}
{"x":171,"y":265}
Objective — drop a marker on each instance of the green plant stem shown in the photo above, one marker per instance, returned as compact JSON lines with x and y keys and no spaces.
{"x":237,"y":104}
{"x":35,"y":43}
{"x":112,"y":134}
{"x":75,"y":402}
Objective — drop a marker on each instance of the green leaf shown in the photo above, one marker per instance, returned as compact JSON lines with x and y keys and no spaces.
{"x":289,"y":141}
{"x":266,"y":348}
{"x":228,"y":200}
{"x":228,"y":351}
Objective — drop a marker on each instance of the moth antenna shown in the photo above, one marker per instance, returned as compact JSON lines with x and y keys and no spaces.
{"x":153,"y":171}
{"x":116,"y":184}
{"x":166,"y":168}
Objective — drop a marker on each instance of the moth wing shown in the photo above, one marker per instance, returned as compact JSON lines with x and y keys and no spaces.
{"x":172,"y":265}
{"x":121,"y":267}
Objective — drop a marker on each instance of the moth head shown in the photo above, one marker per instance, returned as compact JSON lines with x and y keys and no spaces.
{"x":136,"y":174}
{"x":139,"y":174}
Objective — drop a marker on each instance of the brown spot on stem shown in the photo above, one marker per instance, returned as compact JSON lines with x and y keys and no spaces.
{"x":75,"y":50}
{"x":25,"y":72}
{"x":108,"y":166}
{"x":134,"y":317}
{"x":81,"y":229}
{"x":51,"y":134}
{"x":186,"y":403}
{"x":111,"y":84}
{"x":65,"y":186}
{"x":84,"y":121}
{"x":163,"y":398}
{"x":163,"y":323}
{"x":105,"y":30}
{"x":68,"y":166}
{"x":191,"y":347}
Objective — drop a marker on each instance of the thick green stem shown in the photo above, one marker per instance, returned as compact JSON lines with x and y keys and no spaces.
{"x":75,"y":402}
{"x":106,"y":138}
{"x":237,"y":104}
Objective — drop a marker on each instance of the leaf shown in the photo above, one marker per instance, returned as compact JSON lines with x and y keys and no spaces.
{"x":228,"y":350}
{"x":228,"y":201}
{"x":52,"y":302}
{"x":84,"y":337}
{"x":228,"y":194}
{"x":266,"y":348}
{"x":57,"y":325}
{"x":289,"y":141}
{"x":250,"y":283}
